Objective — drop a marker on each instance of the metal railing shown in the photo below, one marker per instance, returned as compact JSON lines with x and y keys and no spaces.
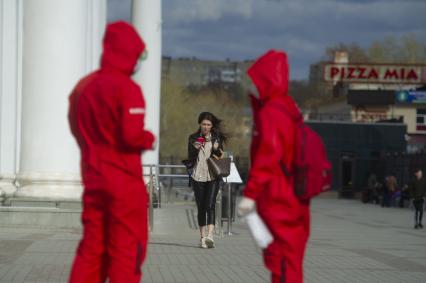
{"x":154,"y":186}
{"x":229,"y":211}
{"x":355,"y":118}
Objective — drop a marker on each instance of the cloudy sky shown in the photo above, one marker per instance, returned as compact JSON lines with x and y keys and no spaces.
{"x":244,"y":29}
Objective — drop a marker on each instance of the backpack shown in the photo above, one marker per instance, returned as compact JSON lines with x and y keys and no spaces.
{"x":310,"y":169}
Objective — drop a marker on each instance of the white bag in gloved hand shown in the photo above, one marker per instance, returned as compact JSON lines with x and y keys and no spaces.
{"x":258,"y":229}
{"x":246,"y":206}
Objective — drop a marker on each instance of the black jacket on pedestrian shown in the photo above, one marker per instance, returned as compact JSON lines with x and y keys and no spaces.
{"x":417,"y":188}
{"x":193,"y":152}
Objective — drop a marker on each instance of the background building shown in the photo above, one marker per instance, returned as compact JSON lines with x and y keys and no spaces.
{"x":198,"y":72}
{"x":378,"y":122}
{"x":380,"y":93}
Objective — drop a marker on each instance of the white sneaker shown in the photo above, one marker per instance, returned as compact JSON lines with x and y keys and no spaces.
{"x":209,"y":242}
{"x":203,"y":243}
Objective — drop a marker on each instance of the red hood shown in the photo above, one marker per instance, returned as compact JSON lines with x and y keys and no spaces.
{"x":122,"y":46}
{"x":270,"y":74}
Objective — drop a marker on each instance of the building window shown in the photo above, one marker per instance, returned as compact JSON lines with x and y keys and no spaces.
{"x":421,"y":120}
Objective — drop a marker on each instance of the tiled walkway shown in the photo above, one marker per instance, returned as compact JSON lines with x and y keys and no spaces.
{"x":350,"y":242}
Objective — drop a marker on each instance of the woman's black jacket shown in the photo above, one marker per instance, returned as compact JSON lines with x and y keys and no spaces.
{"x":193,"y":152}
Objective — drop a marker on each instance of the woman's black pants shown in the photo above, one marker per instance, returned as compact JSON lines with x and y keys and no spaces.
{"x":205,"y":197}
{"x":418,"y":206}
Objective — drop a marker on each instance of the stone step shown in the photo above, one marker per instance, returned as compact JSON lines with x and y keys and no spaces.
{"x":31,"y":212}
{"x":40,"y":217}
{"x":33,"y":202}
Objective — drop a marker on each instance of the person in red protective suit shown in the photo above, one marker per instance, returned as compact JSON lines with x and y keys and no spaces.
{"x":106,"y":116}
{"x":268,"y":189}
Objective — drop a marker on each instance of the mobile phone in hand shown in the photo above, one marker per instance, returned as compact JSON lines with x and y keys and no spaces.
{"x":201,"y":140}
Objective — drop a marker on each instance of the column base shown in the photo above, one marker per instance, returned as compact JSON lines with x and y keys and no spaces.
{"x":49,"y":186}
{"x":7,"y":185}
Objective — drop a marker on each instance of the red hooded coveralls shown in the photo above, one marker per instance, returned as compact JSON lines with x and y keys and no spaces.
{"x":106,"y":116}
{"x":273,"y":141}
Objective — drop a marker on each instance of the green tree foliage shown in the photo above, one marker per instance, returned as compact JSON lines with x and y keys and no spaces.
{"x":180,"y":107}
{"x":356,"y":52}
{"x":405,"y":49}
{"x":414,"y":51}
{"x":307,"y":93}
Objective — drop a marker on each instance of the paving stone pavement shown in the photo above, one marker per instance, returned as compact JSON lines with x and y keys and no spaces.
{"x":350,"y":242}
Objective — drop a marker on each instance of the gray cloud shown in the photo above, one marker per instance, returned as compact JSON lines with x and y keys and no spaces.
{"x":201,"y":10}
{"x":243,"y":29}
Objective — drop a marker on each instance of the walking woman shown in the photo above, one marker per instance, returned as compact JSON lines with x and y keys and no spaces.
{"x":206,"y":142}
{"x":417,"y":191}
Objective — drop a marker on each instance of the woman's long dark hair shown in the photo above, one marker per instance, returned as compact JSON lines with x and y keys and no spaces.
{"x":216,"y":125}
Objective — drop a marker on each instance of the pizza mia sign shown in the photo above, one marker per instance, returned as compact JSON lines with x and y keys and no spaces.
{"x":365,"y":73}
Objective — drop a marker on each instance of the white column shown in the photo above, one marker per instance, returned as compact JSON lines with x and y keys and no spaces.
{"x":146,"y":17}
{"x":56,"y":54}
{"x":96,"y":22}
{"x":9,"y":92}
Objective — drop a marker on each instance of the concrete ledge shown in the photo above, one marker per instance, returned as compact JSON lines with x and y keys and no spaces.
{"x":40,"y":217}
{"x":34,"y":202}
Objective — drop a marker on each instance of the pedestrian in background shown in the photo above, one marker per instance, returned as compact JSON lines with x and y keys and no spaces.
{"x":106,"y":116}
{"x":268,"y":189}
{"x":417,"y":189}
{"x":207,"y":142}
{"x":393,"y":189}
